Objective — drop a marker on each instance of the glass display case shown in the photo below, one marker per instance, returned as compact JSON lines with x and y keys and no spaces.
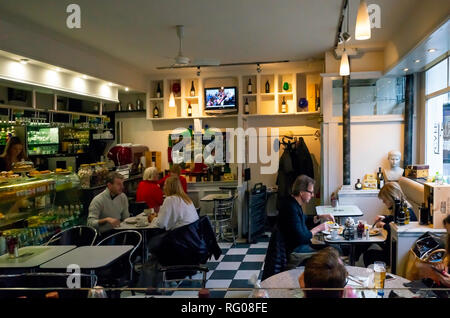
{"x":42,"y":140}
{"x":32,"y":209}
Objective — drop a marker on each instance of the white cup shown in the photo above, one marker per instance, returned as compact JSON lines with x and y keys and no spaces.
{"x":334,"y":234}
{"x":141,"y":221}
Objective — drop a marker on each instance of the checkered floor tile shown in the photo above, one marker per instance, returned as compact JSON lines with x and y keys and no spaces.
{"x":233,"y":269}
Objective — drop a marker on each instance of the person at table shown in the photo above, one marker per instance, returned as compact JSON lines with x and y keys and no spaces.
{"x":174,"y":171}
{"x":14,"y":152}
{"x":296,"y":227}
{"x":110,"y":207}
{"x":177,"y":209}
{"x":389,"y":192}
{"x":325,"y":270}
{"x":149,"y":191}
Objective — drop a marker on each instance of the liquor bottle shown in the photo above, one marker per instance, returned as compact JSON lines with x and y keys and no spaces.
{"x":401,"y":215}
{"x":189,"y":109}
{"x":407,"y":215}
{"x":317,"y":98}
{"x":380,"y":179}
{"x":249,"y":86}
{"x":192,"y":89}
{"x":267,"y":87}
{"x":397,"y":208}
{"x":283,"y":106}
{"x":246,"y":108}
{"x":158,"y":91}
{"x":430,"y":206}
{"x":424,"y":215}
{"x":155,"y":112}
{"x":358,"y":185}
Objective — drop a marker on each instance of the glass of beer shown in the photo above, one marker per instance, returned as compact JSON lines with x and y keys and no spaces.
{"x":379,"y":269}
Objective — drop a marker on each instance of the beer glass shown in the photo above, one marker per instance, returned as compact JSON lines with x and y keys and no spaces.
{"x":379,"y":274}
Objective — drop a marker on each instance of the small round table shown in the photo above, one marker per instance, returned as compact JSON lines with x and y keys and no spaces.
{"x":285,"y":284}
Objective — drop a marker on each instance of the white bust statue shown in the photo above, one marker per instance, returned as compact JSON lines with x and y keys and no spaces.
{"x":395,"y":171}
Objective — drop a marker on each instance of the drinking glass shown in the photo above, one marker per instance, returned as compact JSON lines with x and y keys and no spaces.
{"x":380,"y":274}
{"x":97,"y":292}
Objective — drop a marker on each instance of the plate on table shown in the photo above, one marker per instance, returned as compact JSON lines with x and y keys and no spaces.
{"x":374,"y":232}
{"x":142,"y":225}
{"x":340,"y":230}
{"x":131,"y":220}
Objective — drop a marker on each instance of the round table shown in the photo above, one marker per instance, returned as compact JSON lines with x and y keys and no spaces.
{"x":285,"y":284}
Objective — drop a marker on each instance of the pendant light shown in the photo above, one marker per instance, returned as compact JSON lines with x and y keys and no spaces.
{"x":171,"y":100}
{"x":362,"y":30}
{"x":344,"y":70}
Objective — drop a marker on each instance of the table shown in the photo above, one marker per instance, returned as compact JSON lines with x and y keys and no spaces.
{"x":143,"y":229}
{"x":31,"y":257}
{"x":212,"y":197}
{"x":339,"y":211}
{"x":283,"y":285}
{"x":372,"y":239}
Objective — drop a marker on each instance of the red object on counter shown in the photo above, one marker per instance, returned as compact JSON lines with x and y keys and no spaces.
{"x":150,"y":193}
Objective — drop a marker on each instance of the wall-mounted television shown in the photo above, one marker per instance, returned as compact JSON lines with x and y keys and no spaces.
{"x":221,"y":100}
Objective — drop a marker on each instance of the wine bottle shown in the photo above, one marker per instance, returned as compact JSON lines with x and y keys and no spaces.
{"x":358,"y":185}
{"x":155,"y":112}
{"x":189,"y":109}
{"x":249,"y":86}
{"x":283,"y":105}
{"x":380,"y":179}
{"x":192,"y":89}
{"x":246,"y":108}
{"x":158,"y":91}
{"x":267,"y":87}
{"x":317,"y":98}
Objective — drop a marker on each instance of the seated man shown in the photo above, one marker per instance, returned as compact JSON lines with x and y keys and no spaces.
{"x":325,"y":270}
{"x":295,"y":225}
{"x":110,"y":207}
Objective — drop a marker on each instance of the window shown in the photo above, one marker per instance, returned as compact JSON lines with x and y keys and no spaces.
{"x":437,"y":149}
{"x":368,"y":97}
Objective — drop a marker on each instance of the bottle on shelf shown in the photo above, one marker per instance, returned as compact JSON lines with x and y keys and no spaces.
{"x":249,"y":86}
{"x":192,"y":89}
{"x":358,"y":185}
{"x":397,"y":208}
{"x":407,"y":215}
{"x":189,"y":109}
{"x":283,"y":105}
{"x":424,"y":217}
{"x":317,"y":97}
{"x":267,"y":87}
{"x":380,"y":179}
{"x":155,"y":112}
{"x":246,"y":107}
{"x":401,"y":214}
{"x":430,"y":206}
{"x":158,"y":91}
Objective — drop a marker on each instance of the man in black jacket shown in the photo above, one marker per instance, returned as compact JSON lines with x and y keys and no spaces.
{"x":298,"y":228}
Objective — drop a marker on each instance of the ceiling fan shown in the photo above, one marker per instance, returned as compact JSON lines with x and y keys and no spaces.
{"x":181,"y":61}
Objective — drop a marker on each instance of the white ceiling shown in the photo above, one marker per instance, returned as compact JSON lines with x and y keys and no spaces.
{"x":142,"y":32}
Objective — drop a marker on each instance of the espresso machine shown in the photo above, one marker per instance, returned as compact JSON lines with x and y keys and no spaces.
{"x":127,"y":154}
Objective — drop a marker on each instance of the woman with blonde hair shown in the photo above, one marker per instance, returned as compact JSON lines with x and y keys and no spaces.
{"x":148,"y":190}
{"x":390,"y":192}
{"x":177,"y":210}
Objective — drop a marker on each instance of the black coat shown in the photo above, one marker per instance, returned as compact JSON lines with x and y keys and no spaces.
{"x":276,"y":256}
{"x":192,"y":244}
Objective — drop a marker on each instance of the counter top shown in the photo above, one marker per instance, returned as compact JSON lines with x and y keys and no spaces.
{"x":131,"y":178}
{"x":414,"y":227}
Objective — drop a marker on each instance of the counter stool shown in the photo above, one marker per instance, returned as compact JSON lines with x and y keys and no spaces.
{"x":223,"y":217}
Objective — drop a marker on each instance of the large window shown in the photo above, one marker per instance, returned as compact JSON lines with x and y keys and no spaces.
{"x":437,"y":89}
{"x":368,"y":97}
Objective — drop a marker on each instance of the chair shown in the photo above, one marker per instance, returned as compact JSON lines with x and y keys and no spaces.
{"x":136,"y":208}
{"x":40,"y":284}
{"x":223,"y":217}
{"x":276,"y":256}
{"x":80,"y":235}
{"x":178,"y":274}
{"x":128,"y":237}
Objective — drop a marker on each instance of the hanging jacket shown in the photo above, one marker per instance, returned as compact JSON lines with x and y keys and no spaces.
{"x":301,"y":160}
{"x":285,"y":176}
{"x":192,"y":244}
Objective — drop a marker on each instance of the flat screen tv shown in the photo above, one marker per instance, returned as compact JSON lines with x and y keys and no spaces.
{"x":221,"y":100}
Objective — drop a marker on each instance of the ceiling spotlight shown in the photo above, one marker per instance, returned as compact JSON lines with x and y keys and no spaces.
{"x":258,"y":68}
{"x":346,"y":36}
{"x":24,"y":61}
{"x":110,"y":84}
{"x":84,"y":76}
{"x":126,"y":89}
{"x":417,"y":61}
{"x":431,"y":50}
{"x":340,"y":39}
{"x":198,"y":71}
{"x":405,"y":69}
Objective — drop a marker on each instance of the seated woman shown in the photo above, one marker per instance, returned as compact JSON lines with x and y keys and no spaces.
{"x":296,"y":227}
{"x":148,"y":190}
{"x":177,"y":209}
{"x":389,"y":192}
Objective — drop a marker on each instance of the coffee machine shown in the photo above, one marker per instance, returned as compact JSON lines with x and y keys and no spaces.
{"x":126,"y":154}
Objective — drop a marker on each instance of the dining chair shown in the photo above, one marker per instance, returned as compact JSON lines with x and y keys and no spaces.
{"x":80,"y":235}
{"x":223,"y":217}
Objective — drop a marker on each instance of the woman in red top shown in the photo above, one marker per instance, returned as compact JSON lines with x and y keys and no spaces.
{"x":148,"y":190}
{"x":175,"y":170}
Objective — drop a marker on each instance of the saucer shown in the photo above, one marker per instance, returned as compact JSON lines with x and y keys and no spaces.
{"x":328,"y":237}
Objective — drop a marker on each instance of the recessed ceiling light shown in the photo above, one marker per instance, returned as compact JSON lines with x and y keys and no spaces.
{"x":58,"y":69}
{"x":405,"y":69}
{"x":126,"y":89}
{"x":84,"y":76}
{"x":417,"y":61}
{"x":110,"y":84}
{"x":23,"y":61}
{"x":431,"y":50}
